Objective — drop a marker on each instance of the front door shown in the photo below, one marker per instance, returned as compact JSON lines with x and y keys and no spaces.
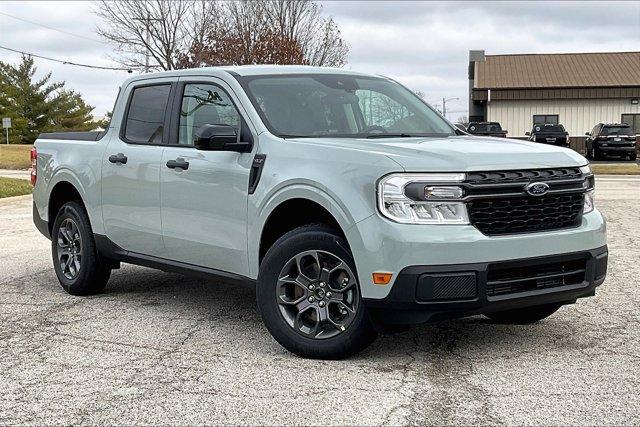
{"x":204,"y":193}
{"x":131,"y":172}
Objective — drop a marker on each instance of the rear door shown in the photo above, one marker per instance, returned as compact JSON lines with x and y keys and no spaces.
{"x":131,"y":170}
{"x":204,"y":203}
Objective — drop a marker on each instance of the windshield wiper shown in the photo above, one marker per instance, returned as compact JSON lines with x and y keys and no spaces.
{"x":389,"y":135}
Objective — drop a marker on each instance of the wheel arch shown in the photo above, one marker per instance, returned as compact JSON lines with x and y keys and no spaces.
{"x":315,"y":206}
{"x":61,"y":192}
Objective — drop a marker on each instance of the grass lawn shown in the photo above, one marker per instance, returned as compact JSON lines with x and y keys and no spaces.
{"x":14,"y":156}
{"x":630,"y":168}
{"x":14,"y":187}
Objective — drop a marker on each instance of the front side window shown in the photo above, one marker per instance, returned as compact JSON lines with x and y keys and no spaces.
{"x":334,"y":105}
{"x":145,"y":117}
{"x":204,"y":104}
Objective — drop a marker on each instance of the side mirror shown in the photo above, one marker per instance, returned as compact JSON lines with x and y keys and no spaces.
{"x":219,"y":138}
{"x":587,"y":133}
{"x":528,"y":133}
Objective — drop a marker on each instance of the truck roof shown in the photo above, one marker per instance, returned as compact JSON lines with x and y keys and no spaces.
{"x":248,"y":70}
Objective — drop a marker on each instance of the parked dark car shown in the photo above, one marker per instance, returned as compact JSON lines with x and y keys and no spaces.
{"x":548,"y":133}
{"x":611,"y":139}
{"x":486,"y":129}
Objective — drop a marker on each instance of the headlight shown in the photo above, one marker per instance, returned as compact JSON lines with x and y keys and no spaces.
{"x":589,"y":196}
{"x":423,"y":198}
{"x":589,"y":201}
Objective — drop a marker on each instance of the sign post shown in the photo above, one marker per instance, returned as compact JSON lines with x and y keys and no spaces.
{"x":6,"y":123}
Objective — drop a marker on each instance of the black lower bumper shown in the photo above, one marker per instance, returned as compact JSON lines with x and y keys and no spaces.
{"x":431,"y":293}
{"x":617,"y":150}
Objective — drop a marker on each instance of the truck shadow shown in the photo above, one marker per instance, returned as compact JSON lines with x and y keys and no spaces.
{"x":474,"y":337}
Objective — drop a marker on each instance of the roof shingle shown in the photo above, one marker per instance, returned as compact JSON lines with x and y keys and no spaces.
{"x":558,"y":70}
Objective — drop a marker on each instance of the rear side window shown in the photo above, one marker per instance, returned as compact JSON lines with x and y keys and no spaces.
{"x":145,"y":117}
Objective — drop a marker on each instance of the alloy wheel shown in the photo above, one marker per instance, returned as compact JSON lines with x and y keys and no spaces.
{"x":318,"y":295}
{"x":69,"y":248}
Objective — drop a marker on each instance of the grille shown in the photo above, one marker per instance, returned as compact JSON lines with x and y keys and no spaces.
{"x":525,"y":175}
{"x":446,"y":286}
{"x":509,"y":215}
{"x":509,"y":280}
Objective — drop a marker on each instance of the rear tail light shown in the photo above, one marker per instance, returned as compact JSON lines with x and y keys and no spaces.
{"x":34,"y":166}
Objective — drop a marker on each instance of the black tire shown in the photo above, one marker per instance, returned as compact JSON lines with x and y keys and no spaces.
{"x":596,"y":154}
{"x":589,"y":154}
{"x":92,"y":274}
{"x":524,"y":316}
{"x":360,"y":331}
{"x":633,"y":156}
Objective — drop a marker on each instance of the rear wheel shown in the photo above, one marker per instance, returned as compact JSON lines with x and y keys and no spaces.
{"x":309,"y":296}
{"x":633,"y":156}
{"x":524,"y":316}
{"x":76,"y":262}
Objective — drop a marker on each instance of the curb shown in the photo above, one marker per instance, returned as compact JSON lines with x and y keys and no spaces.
{"x":14,"y":199}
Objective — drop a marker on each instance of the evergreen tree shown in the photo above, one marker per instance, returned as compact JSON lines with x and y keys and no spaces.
{"x":37,"y":106}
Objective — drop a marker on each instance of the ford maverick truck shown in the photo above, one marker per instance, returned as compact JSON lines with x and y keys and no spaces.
{"x":348,"y":203}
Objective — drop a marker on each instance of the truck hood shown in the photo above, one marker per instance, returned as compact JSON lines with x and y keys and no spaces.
{"x":460,"y":153}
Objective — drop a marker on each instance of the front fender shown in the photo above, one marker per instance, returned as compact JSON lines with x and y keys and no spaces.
{"x":309,"y":190}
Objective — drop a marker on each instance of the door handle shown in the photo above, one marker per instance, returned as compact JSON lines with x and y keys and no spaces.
{"x":118,"y":158}
{"x":178,"y":163}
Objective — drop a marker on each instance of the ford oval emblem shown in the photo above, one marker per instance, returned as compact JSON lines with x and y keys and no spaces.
{"x":537,"y":189}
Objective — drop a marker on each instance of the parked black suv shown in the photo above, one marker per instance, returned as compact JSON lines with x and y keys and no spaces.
{"x":548,"y":133}
{"x":486,"y":129}
{"x":611,"y":139}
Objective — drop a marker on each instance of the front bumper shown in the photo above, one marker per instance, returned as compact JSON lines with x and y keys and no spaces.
{"x":379,"y":245}
{"x":425,"y":293}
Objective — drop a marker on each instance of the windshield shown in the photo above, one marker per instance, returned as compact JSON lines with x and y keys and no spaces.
{"x":548,"y":129}
{"x":617,"y":130}
{"x":334,"y":105}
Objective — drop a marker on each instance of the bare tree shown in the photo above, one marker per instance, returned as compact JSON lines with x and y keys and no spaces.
{"x":152,"y":34}
{"x":169,"y":34}
{"x":462,"y":120}
{"x":270,"y":31}
{"x":301,"y":20}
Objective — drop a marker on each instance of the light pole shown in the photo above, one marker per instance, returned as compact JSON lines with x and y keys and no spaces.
{"x":444,"y":105}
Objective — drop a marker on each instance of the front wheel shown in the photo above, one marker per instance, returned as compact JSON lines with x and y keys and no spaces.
{"x":524,"y":316}
{"x":633,"y":156}
{"x":309,"y":296}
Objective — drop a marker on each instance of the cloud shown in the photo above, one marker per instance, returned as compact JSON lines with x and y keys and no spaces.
{"x":424,"y":45}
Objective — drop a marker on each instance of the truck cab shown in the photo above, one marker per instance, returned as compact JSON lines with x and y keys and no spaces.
{"x":348,"y":204}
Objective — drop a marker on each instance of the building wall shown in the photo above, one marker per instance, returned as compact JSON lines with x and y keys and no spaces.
{"x":577,"y":115}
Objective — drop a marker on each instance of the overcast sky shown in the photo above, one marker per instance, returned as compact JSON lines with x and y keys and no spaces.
{"x":423,"y":45}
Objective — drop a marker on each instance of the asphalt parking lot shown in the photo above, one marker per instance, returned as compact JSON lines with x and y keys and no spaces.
{"x":158,"y":348}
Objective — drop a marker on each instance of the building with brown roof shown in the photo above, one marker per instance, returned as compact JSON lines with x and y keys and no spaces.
{"x":578,"y":90}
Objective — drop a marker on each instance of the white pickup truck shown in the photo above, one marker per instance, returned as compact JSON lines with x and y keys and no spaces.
{"x":344,"y":199}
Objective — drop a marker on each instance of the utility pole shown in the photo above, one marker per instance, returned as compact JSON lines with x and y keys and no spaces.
{"x":146,"y":53}
{"x":147,"y":38}
{"x":444,"y":105}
